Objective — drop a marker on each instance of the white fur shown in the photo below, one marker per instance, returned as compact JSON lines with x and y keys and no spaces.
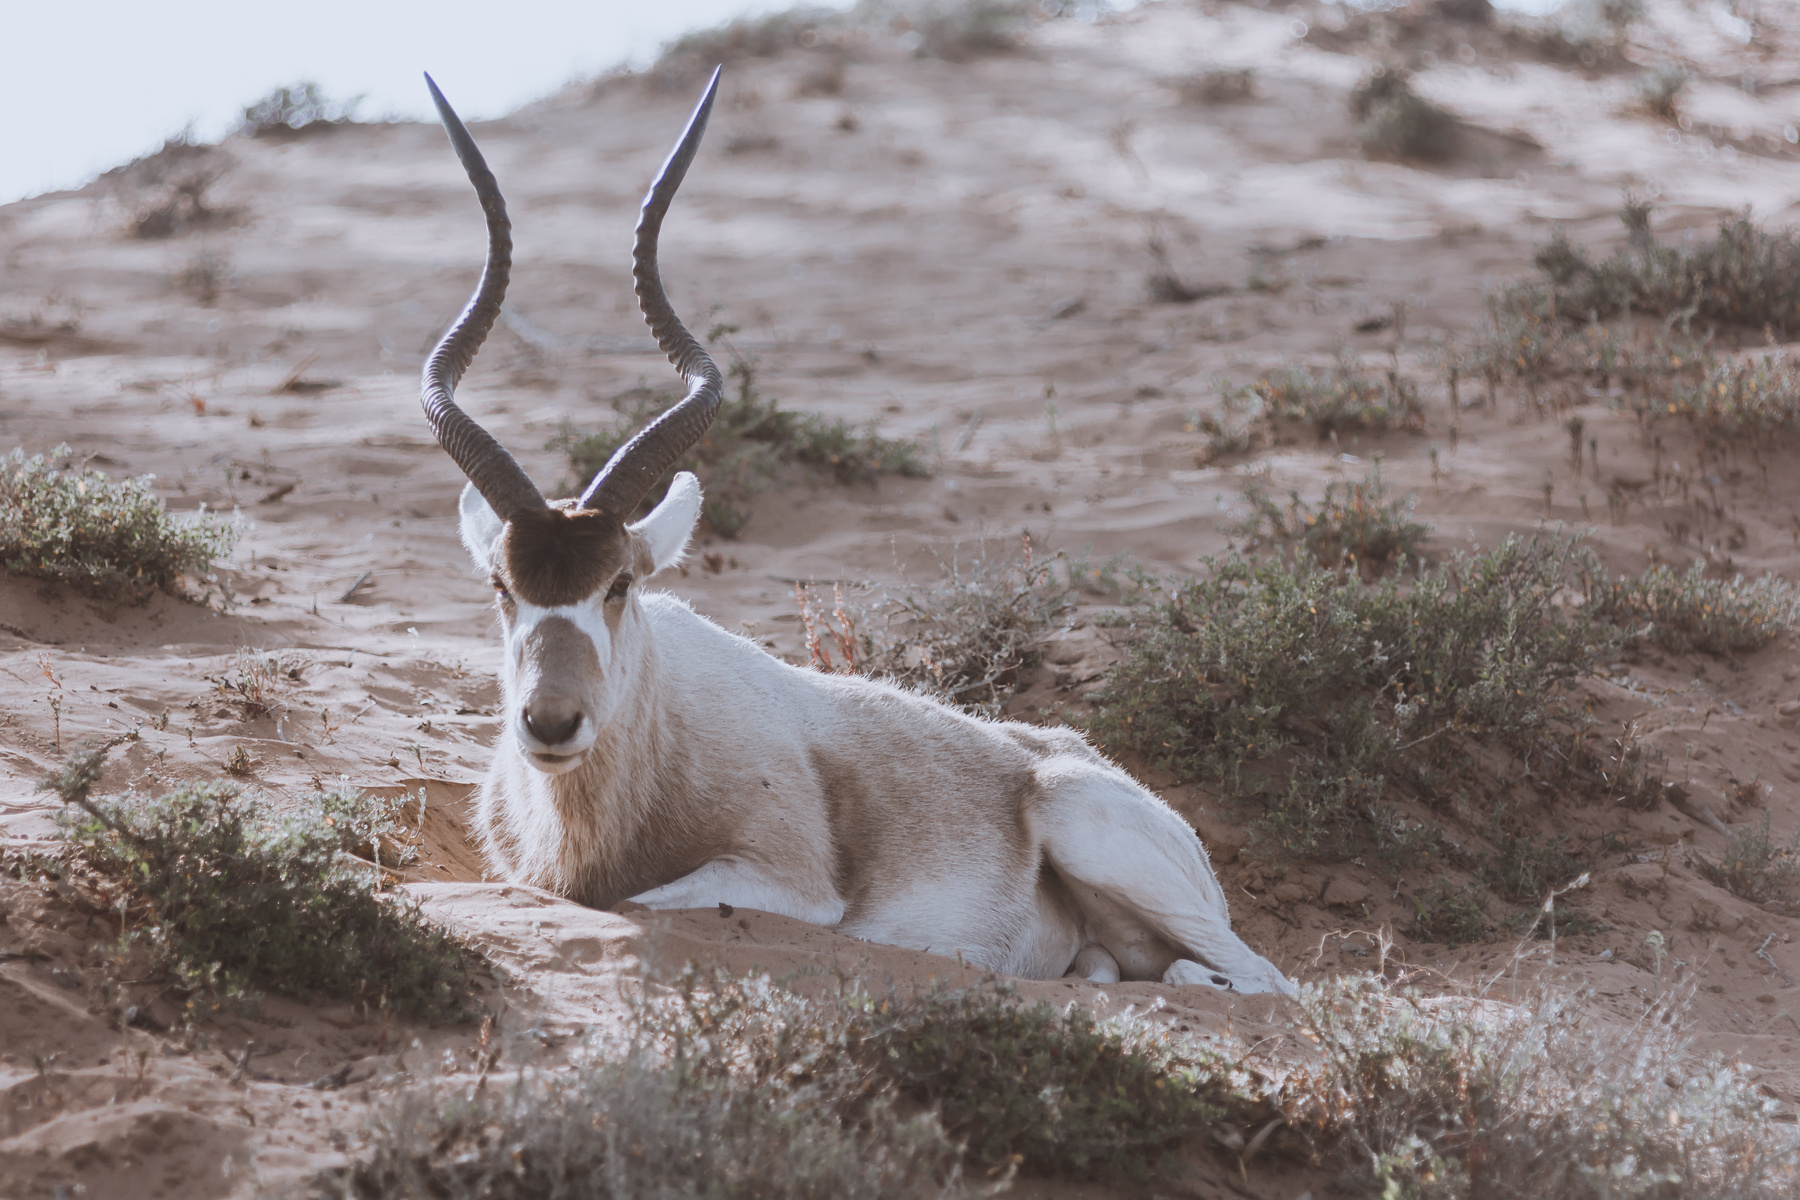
{"x":713,"y":773}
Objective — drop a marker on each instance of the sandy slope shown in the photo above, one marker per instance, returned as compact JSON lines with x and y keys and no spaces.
{"x":958,"y":252}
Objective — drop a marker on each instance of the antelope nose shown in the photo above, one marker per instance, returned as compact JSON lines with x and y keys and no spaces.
{"x":552,"y":720}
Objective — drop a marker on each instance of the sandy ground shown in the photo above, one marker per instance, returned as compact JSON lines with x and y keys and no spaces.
{"x":957,"y":252}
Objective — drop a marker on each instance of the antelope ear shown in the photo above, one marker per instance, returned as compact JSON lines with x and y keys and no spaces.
{"x":480,"y":527}
{"x":666,"y":531}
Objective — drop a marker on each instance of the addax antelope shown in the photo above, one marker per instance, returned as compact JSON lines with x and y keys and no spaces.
{"x":647,"y":754}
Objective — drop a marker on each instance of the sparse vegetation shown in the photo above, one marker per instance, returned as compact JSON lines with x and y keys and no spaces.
{"x":298,"y":108}
{"x":965,"y":639}
{"x":1354,"y":524}
{"x":1217,"y":86}
{"x":1524,"y":869}
{"x":1757,"y":867}
{"x":746,"y":1083}
{"x":229,"y":901}
{"x":111,"y":539}
{"x":168,"y":192}
{"x":1736,"y":398}
{"x":1746,"y":277}
{"x":1309,"y":698}
{"x":1687,"y":611}
{"x":1450,"y":913}
{"x":753,"y":444}
{"x":204,"y":275}
{"x":744,"y":1088}
{"x":1660,"y":92}
{"x":1396,"y":122}
{"x":1339,"y":400}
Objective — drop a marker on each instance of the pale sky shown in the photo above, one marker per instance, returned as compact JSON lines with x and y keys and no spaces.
{"x":89,"y":84}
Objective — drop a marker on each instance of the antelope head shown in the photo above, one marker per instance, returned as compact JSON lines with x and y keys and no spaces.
{"x":566,"y":573}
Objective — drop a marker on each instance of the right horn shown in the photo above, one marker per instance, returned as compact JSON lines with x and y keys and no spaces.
{"x":631,"y":472}
{"x":496,"y":474}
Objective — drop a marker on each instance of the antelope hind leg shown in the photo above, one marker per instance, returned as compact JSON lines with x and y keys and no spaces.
{"x":1126,"y":855}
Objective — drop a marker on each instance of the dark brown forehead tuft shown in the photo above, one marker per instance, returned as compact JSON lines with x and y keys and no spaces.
{"x":558,"y":556}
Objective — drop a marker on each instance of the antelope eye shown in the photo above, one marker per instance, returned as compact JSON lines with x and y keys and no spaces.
{"x":619,"y":586}
{"x":500,"y":591}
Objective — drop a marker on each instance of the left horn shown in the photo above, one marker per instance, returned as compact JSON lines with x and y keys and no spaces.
{"x":639,"y":463}
{"x":495,"y":473}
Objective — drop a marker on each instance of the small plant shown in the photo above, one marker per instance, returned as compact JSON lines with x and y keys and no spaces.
{"x":110,"y":539}
{"x":296,"y":108}
{"x":1660,"y":92}
{"x":1309,"y":698}
{"x":1450,"y":913}
{"x":1688,"y":611}
{"x":204,"y":275}
{"x":368,"y":826}
{"x":1339,"y":400}
{"x":229,"y":901}
{"x":1396,"y":122}
{"x":1525,"y":870}
{"x":252,"y":684}
{"x":1757,"y":868}
{"x":752,"y":445}
{"x":1354,"y":524}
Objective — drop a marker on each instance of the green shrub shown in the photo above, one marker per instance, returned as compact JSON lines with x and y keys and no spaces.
{"x":1339,"y":400}
{"x":1310,"y":697}
{"x":229,"y":901}
{"x":1523,"y":869}
{"x":1396,"y":122}
{"x":753,"y":444}
{"x":1354,"y":524}
{"x":737,"y":1087}
{"x":112,"y":539}
{"x":1688,"y":611}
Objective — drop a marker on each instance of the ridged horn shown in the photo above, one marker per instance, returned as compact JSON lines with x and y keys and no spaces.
{"x":639,"y":463}
{"x":493,"y":471}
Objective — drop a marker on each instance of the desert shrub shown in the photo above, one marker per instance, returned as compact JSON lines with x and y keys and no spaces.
{"x":1309,"y":697}
{"x":1687,"y":611}
{"x":229,"y":901}
{"x":962,"y":30}
{"x":1746,"y":276}
{"x":753,"y":444}
{"x":204,"y":275}
{"x":1523,"y":869}
{"x":742,"y":1088}
{"x":965,"y":639}
{"x":1660,"y":92}
{"x":1354,"y":524}
{"x":1339,"y":400}
{"x":1440,"y":1098}
{"x":1737,"y":398}
{"x":1217,"y":86}
{"x":1062,"y":1094}
{"x":765,"y":36}
{"x":1396,"y":122}
{"x":296,"y":108}
{"x":112,"y":539}
{"x":1450,"y":913}
{"x":1757,"y":867}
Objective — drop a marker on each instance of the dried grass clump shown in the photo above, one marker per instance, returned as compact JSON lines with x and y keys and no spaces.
{"x":1660,"y":92}
{"x":1738,"y":398}
{"x":1396,"y":122}
{"x":1310,"y":698}
{"x":752,"y":445}
{"x":1353,"y":525}
{"x":966,"y":639}
{"x":739,"y":1087}
{"x":111,"y":539}
{"x":1758,"y":868}
{"x":1687,"y":611}
{"x":227,"y":901}
{"x":298,"y":108}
